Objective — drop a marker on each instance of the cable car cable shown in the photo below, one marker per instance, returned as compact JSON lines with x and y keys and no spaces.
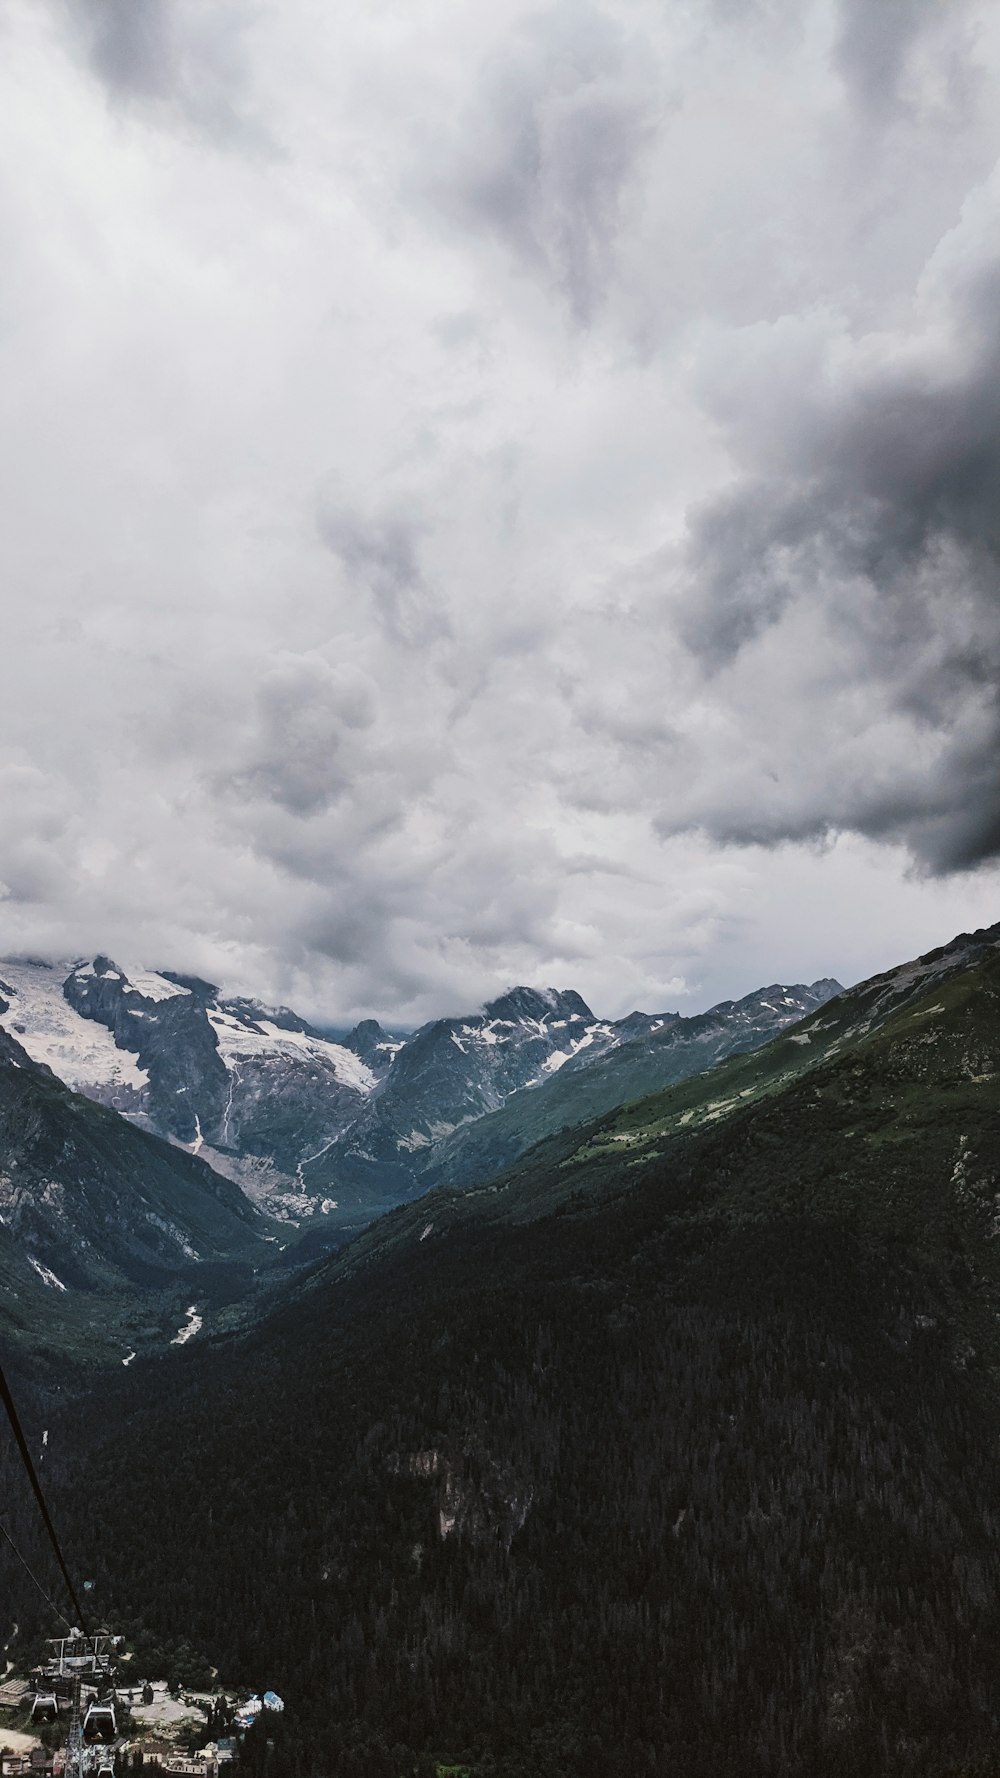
{"x":5,"y":1534}
{"x":22,"y":1444}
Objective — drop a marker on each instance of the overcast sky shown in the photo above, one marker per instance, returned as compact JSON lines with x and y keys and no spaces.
{"x":499,"y":493}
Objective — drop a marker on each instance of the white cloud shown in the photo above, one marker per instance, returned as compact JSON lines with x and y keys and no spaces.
{"x":435,"y":446}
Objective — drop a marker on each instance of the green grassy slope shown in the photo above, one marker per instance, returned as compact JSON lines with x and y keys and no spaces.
{"x":495,"y":1143}
{"x":921,"y":1036}
{"x":578,"y":1094}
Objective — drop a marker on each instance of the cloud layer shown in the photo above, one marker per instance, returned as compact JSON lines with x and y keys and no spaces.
{"x":499,"y":495}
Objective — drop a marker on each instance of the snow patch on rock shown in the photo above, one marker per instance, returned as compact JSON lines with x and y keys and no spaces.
{"x":242,"y":1040}
{"x":45,"y":1275}
{"x":80,"y":1051}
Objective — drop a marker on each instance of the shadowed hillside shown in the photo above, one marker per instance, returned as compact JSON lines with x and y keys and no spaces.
{"x":674,"y":1450}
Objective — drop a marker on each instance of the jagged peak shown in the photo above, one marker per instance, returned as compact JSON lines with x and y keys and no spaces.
{"x":100,"y":966}
{"x":538,"y":1003}
{"x":195,"y":984}
{"x":364,"y":1030}
{"x":246,"y":1007}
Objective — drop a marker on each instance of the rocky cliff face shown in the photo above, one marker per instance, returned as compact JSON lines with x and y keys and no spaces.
{"x":164,"y":1023}
{"x":374,"y":1046}
{"x":253,"y":1089}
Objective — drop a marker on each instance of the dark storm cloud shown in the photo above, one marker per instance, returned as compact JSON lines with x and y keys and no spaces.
{"x":559,"y":122}
{"x":880,"y":504}
{"x":876,"y":38}
{"x":381,"y":551}
{"x":131,"y":44}
{"x":182,"y":58}
{"x":299,"y":750}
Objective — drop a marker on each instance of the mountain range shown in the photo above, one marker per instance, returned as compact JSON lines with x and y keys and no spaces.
{"x":669,"y":1447}
{"x":314,"y":1129}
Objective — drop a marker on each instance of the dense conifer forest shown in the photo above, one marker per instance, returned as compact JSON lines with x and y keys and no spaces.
{"x":692,"y":1470}
{"x":690,"y":1529}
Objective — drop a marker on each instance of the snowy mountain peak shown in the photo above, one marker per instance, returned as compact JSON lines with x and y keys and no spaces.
{"x":86,"y":981}
{"x":83,"y":1054}
{"x":251,"y":1012}
{"x":274,"y":1032}
{"x":311,"y":1123}
{"x":538,"y":1006}
{"x":195,"y":984}
{"x":374,"y":1045}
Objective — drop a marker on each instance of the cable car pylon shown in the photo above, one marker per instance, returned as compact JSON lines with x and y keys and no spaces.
{"x":78,"y":1656}
{"x":93,"y":1729}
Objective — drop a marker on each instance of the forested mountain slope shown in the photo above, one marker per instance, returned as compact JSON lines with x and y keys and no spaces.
{"x":652,"y":1058}
{"x":97,"y":1217}
{"x":667,"y":1454}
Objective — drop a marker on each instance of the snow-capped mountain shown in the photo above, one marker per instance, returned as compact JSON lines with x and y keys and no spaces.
{"x":644,"y":1055}
{"x":254,"y":1089}
{"x":88,"y":1201}
{"x":309,"y":1126}
{"x":85,"y":1055}
{"x":515,"y":1063}
{"x":449,"y":1073}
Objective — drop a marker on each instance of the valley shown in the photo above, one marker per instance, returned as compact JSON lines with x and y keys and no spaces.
{"x":670,"y":1446}
{"x":282,"y":1142}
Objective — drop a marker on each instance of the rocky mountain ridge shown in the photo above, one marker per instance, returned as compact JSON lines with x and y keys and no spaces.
{"x":254,"y":1090}
{"x":651,"y":1053}
{"x":312,"y":1128}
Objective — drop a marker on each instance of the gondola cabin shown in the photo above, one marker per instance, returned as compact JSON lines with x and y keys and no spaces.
{"x":99,"y":1724}
{"x":44,"y":1707}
